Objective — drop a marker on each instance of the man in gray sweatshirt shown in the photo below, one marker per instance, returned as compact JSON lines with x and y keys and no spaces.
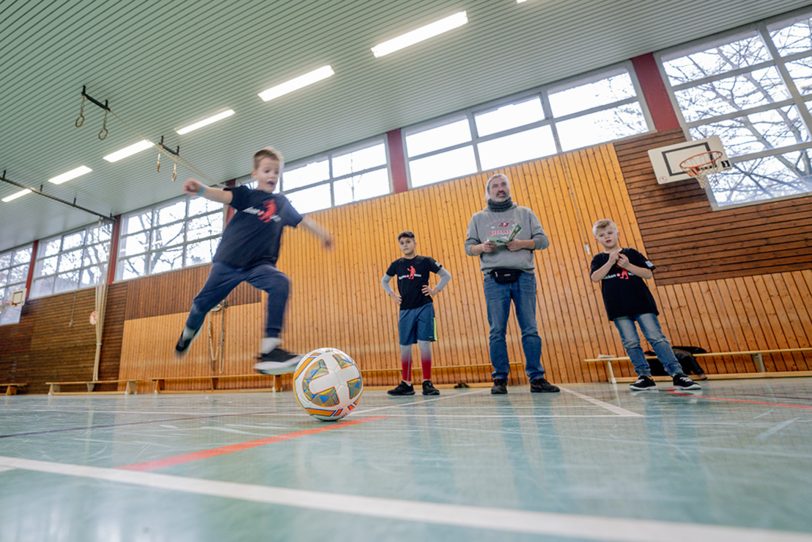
{"x":504,"y":237}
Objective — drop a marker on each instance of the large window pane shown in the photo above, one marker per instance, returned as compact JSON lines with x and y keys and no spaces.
{"x":757,"y":132}
{"x":138,"y":222}
{"x":50,"y":247}
{"x":166,"y":260}
{"x":131,"y":268}
{"x":201,"y":252}
{"x":168,"y":235}
{"x":801,"y":73}
{"x":509,"y":116}
{"x":92,"y":276}
{"x":793,"y":37}
{"x":171,"y":213}
{"x":743,"y":91}
{"x":716,"y":59}
{"x":22,"y":256}
{"x":579,"y":97}
{"x":437,"y":138}
{"x":764,"y":178}
{"x":305,"y":175}
{"x":17,"y":274}
{"x":134,"y":244}
{"x":99,"y":234}
{"x":73,"y":240}
{"x":204,"y":226}
{"x":601,"y":126}
{"x":66,"y":282}
{"x":518,"y":147}
{"x":360,"y":187}
{"x":69,"y":261}
{"x":199,"y":206}
{"x":46,"y":266}
{"x":359,"y":160}
{"x":311,"y":199}
{"x":442,"y":166}
{"x":42,"y":287}
{"x":96,"y":255}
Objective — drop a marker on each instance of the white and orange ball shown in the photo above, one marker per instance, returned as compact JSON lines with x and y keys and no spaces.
{"x":327,"y":383}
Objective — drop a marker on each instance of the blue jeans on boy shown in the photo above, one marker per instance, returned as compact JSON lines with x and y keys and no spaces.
{"x":223,"y":278}
{"x":650,"y":326}
{"x":498,"y":298}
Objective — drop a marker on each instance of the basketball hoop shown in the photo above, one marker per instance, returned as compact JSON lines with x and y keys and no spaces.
{"x":698,"y":166}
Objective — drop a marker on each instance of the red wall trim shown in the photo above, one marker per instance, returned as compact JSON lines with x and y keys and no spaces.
{"x":655,"y":93}
{"x":30,"y":278}
{"x":113,"y":260}
{"x":397,"y":161}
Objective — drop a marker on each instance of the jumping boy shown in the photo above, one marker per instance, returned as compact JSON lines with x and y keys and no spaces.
{"x":416,"y":320}
{"x":248,"y":252}
{"x":628,"y":300}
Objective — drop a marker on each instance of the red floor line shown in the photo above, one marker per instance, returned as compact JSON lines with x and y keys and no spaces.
{"x":231,"y":448}
{"x":746,"y":401}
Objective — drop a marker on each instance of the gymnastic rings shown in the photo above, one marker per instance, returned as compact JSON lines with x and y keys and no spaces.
{"x":158,"y":163}
{"x":174,"y":171}
{"x":103,"y":132}
{"x":80,"y":120}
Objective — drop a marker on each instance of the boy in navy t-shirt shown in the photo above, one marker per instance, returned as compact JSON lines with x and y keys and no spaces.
{"x":248,"y":252}
{"x":628,"y":300}
{"x":416,"y":320}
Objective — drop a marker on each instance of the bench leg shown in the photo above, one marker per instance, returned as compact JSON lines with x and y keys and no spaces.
{"x":11,"y":390}
{"x":214,"y":382}
{"x":758,"y":359}
{"x":130,"y":388}
{"x":54,"y":388}
{"x":90,"y":386}
{"x":610,"y":372}
{"x":157,"y":386}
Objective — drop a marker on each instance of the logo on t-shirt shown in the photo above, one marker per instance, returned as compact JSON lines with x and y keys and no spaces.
{"x":267,"y":213}
{"x":412,"y":274}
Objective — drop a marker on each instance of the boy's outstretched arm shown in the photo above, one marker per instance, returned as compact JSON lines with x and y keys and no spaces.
{"x":318,"y":231}
{"x":193,"y":187}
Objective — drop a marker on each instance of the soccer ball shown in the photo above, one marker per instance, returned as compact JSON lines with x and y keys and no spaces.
{"x":327,"y":384}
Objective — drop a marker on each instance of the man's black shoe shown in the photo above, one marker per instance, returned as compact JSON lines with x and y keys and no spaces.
{"x":499,"y":387}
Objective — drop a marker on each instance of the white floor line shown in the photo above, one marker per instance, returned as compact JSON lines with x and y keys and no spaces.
{"x":611,"y":408}
{"x":481,"y":416}
{"x":417,"y":403}
{"x":473,"y":517}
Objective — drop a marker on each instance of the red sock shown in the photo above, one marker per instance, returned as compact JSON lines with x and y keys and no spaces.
{"x":406,"y":367}
{"x":426,"y":364}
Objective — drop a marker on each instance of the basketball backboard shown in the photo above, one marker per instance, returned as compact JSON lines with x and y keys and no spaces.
{"x":666,"y":160}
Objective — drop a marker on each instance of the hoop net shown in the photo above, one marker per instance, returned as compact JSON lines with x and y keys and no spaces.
{"x":700,"y":165}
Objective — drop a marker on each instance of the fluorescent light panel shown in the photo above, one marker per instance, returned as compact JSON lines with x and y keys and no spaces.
{"x":68,"y":175}
{"x":423,"y":33}
{"x":205,"y":122}
{"x":128,"y":151}
{"x":16,"y":195}
{"x":296,"y":83}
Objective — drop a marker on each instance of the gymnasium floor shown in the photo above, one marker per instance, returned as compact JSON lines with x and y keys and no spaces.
{"x":592,"y":463}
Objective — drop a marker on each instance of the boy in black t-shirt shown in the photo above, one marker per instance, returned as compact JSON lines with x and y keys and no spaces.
{"x":247,"y":253}
{"x":628,"y":300}
{"x":416,"y":321}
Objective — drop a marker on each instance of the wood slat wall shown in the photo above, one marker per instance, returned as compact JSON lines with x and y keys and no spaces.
{"x":689,"y":241}
{"x":337,"y":300}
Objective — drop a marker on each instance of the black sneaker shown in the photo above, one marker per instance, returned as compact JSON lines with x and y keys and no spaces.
{"x":682,"y":382}
{"x":183,"y":344}
{"x":540,"y":385}
{"x":499,"y":387}
{"x":429,"y":389}
{"x":701,"y":376}
{"x":403,"y":389}
{"x":277,"y":362}
{"x":644,"y":383}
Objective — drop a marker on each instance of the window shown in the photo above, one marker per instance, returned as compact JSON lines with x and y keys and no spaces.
{"x":14,"y":266}
{"x":343,"y":176}
{"x":72,"y":261}
{"x":172,"y":235}
{"x":753,"y":90}
{"x":569,"y":115}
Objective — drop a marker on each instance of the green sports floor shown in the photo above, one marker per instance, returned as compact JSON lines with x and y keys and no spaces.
{"x":595,"y":462}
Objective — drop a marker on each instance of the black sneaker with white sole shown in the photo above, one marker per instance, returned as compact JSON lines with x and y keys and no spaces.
{"x":184,"y":343}
{"x":643,"y":383}
{"x":429,"y":389}
{"x":540,"y":385}
{"x":682,"y":382}
{"x":277,"y":362}
{"x":499,"y":387}
{"x":402,"y":389}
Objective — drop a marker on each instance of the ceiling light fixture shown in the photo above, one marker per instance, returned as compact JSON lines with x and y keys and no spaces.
{"x":205,"y":122}
{"x":128,"y":151}
{"x":296,"y":83}
{"x":423,"y":33}
{"x":68,"y":175}
{"x":16,"y":195}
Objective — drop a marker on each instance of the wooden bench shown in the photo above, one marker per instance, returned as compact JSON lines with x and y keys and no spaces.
{"x":13,"y":387}
{"x":159,"y":383}
{"x":757,"y":356}
{"x":130,"y":387}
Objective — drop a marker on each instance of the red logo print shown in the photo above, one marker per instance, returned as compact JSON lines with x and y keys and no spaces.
{"x":270,"y":210}
{"x":624,"y":275}
{"x":412,"y":271}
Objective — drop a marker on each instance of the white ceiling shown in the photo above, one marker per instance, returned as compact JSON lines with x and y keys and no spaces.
{"x":163,"y":65}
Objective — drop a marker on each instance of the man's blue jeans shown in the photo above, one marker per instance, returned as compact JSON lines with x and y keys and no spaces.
{"x":654,"y":335}
{"x":224,"y":278}
{"x":498,"y":298}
